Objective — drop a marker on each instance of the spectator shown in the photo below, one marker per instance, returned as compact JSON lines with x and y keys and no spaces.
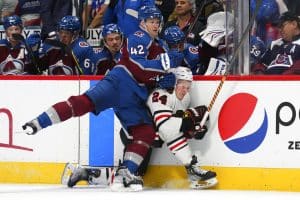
{"x":8,"y":8}
{"x":208,"y":8}
{"x":93,"y":14}
{"x":283,"y":56}
{"x":185,"y":12}
{"x":166,"y":7}
{"x":51,"y":13}
{"x":29,"y":11}
{"x":109,"y":55}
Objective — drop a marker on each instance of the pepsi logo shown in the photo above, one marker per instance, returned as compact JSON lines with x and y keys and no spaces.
{"x":242,"y":123}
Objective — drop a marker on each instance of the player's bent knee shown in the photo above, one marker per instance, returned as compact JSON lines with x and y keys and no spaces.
{"x":80,"y":105}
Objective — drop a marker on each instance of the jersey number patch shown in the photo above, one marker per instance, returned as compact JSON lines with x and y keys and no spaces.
{"x":139,"y":50}
{"x":157,"y":98}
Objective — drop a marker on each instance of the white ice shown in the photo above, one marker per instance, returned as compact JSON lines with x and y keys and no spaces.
{"x":55,"y":192}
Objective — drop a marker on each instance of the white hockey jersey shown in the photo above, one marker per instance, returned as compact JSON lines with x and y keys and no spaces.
{"x":163,"y":105}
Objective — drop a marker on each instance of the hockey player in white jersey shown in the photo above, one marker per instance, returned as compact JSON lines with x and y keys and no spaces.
{"x":176,"y":122}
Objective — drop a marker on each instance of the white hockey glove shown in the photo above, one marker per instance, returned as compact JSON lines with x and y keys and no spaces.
{"x":216,"y":67}
{"x":213,"y":37}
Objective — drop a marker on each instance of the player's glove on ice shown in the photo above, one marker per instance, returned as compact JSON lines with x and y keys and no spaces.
{"x":32,"y":127}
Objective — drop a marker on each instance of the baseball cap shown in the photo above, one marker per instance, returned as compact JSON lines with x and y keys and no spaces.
{"x":287,"y":16}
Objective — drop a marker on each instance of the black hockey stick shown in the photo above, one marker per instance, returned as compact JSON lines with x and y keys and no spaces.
{"x":230,"y":65}
{"x":65,"y":49}
{"x":20,"y":38}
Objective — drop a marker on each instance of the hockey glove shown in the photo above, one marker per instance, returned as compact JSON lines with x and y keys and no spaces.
{"x":195,"y":113}
{"x":198,"y":135}
{"x":192,"y":129}
{"x":32,"y":127}
{"x":166,"y":81}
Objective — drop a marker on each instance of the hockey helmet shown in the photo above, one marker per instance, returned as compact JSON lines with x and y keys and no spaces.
{"x":173,"y":35}
{"x":149,"y":12}
{"x":182,"y":73}
{"x":69,"y":23}
{"x":268,"y":11}
{"x":111,"y":28}
{"x":13,"y":20}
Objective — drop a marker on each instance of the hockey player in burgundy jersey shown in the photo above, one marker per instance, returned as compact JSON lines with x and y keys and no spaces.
{"x":12,"y":57}
{"x":109,"y":55}
{"x":176,"y":122}
{"x":80,"y":59}
{"x":175,"y":38}
{"x":283,"y":56}
{"x":125,"y":88}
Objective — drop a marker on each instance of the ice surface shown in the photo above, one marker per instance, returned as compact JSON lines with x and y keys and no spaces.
{"x":55,"y":192}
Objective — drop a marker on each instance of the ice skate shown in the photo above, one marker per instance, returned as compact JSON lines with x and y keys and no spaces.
{"x":200,"y":178}
{"x":124,"y":180}
{"x":74,"y":173}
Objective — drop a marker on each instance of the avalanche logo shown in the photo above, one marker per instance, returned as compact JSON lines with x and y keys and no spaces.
{"x":243,"y":123}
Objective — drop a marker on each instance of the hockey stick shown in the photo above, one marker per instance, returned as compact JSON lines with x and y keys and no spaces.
{"x":21,"y":38}
{"x":66,"y":49}
{"x":206,"y":2}
{"x":230,"y":65}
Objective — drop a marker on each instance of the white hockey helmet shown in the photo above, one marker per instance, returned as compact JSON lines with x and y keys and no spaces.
{"x":182,"y":73}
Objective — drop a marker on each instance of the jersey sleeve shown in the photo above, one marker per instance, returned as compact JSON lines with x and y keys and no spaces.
{"x":138,"y":49}
{"x":191,"y":57}
{"x":85,"y":56}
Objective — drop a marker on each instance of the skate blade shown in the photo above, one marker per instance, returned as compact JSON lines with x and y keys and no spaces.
{"x":204,"y":184}
{"x":68,"y":170}
{"x":119,"y":187}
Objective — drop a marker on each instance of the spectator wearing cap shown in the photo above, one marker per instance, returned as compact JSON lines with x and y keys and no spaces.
{"x":283,"y":55}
